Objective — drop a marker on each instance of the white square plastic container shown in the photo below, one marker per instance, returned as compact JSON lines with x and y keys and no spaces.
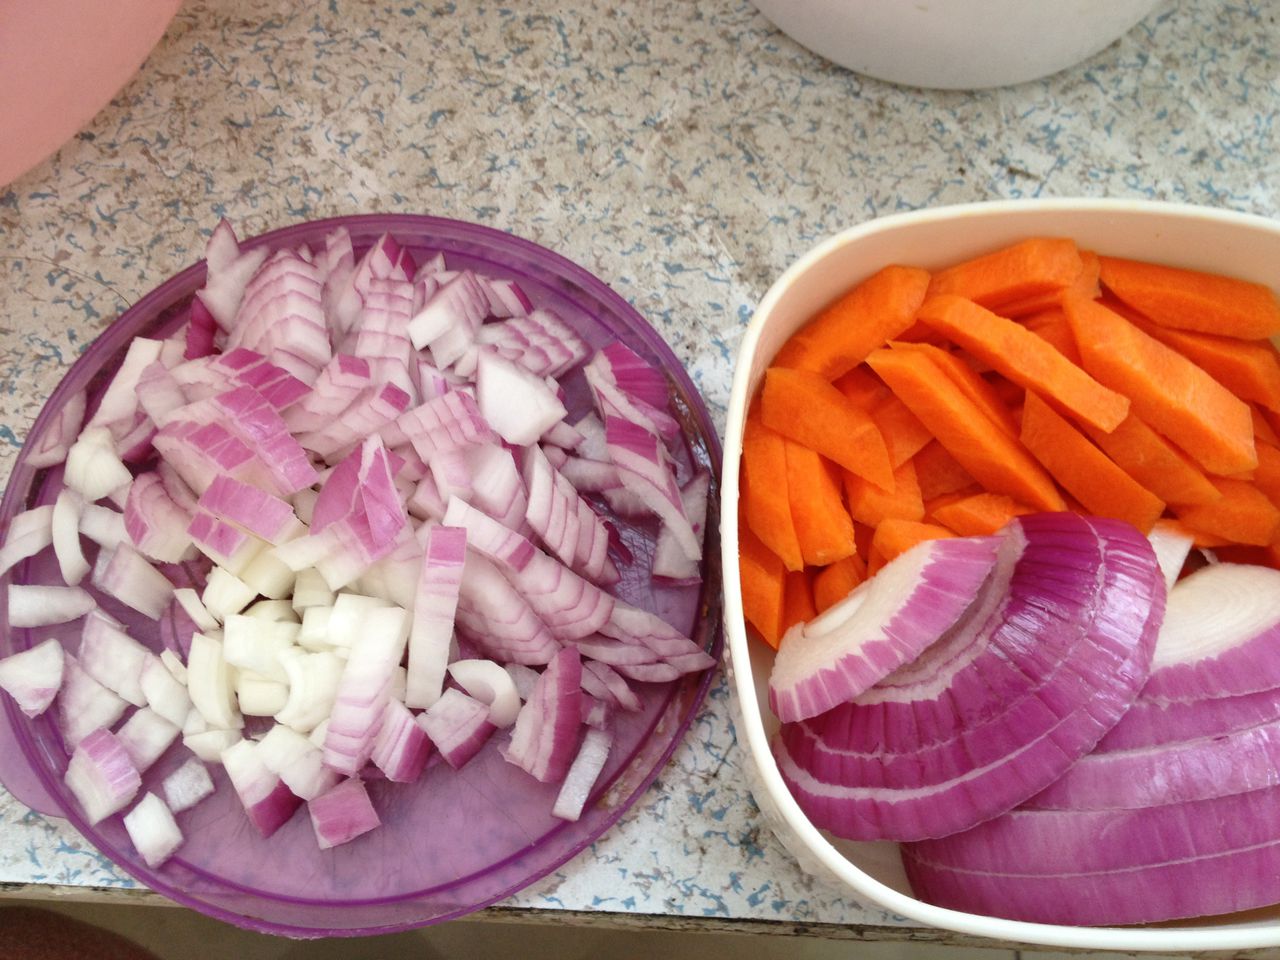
{"x":1179,"y":235}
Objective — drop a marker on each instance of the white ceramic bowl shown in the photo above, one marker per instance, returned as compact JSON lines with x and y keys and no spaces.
{"x":955,"y":44}
{"x":1179,"y":235}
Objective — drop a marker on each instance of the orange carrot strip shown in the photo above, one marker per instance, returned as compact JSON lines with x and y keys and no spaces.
{"x":1085,"y":284}
{"x":871,"y":505}
{"x":823,"y":525}
{"x":969,"y":382}
{"x":862,"y":387}
{"x":797,"y":599}
{"x":1034,"y":267}
{"x":1242,"y":515}
{"x":1025,"y":358}
{"x":1263,"y":431}
{"x":763,"y":580}
{"x":895,"y":537}
{"x":904,"y":434}
{"x":979,"y":515}
{"x":809,"y":410}
{"x":766,"y":506}
{"x":938,"y":473}
{"x":1248,"y":368}
{"x":991,"y":456}
{"x":1051,"y":326}
{"x":835,"y":582}
{"x":1155,"y":463}
{"x":1168,"y":391}
{"x":841,"y":336}
{"x":1267,"y":477}
{"x":1191,"y":300}
{"x":1084,"y":470}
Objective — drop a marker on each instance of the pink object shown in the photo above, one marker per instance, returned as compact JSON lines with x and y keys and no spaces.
{"x":61,"y":61}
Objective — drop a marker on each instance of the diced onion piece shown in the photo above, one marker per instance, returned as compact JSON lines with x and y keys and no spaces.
{"x":209,"y":745}
{"x":113,"y":658}
{"x":210,"y":683}
{"x":310,"y":590}
{"x":669,"y":558}
{"x":342,"y":814}
{"x":277,"y":611}
{"x":101,"y":775}
{"x":487,"y":682}
{"x":145,"y":736}
{"x":268,"y":575}
{"x":258,"y":696}
{"x":40,"y":606}
{"x":190,"y":602}
{"x":93,"y":468}
{"x":458,"y":725}
{"x":84,"y":704}
{"x":157,"y":525}
{"x":402,"y":747}
{"x":297,"y":761}
{"x":153,"y":830}
{"x":65,"y":527}
{"x":163,"y":692}
{"x":60,"y":434}
{"x":177,"y":669}
{"x":187,"y":785}
{"x":346,"y":620}
{"x":32,"y":677}
{"x":525,"y":679}
{"x":128,"y":577}
{"x":254,"y":644}
{"x":103,"y":525}
{"x":313,"y":688}
{"x":434,"y":611}
{"x":582,"y":775}
{"x":225,"y":594}
{"x":515,"y":402}
{"x":266,"y":800}
{"x":314,"y":634}
{"x":364,"y":688}
{"x":29,"y":532}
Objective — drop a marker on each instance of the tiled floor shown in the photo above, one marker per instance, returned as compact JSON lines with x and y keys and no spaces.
{"x":177,"y":934}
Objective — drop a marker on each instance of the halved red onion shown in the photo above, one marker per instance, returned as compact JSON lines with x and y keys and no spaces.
{"x":342,"y":814}
{"x":101,"y":775}
{"x":1094,"y":626}
{"x":1220,"y":622}
{"x":32,"y":677}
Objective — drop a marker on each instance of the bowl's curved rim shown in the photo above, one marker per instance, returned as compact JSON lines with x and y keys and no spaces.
{"x":1173,"y":939}
{"x":169,"y":294}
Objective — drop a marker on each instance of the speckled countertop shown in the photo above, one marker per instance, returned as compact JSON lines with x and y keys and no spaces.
{"x":685,"y":152}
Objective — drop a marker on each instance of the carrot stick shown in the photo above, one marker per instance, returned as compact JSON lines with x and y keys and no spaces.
{"x":1051,"y":326}
{"x":904,"y":434}
{"x":766,"y":506}
{"x":822,"y":524}
{"x":938,"y":473}
{"x":1267,"y":477}
{"x":895,"y":537}
{"x":871,"y":505}
{"x":1025,"y":358}
{"x":834,"y":582}
{"x":990,"y":455}
{"x":1084,"y":470}
{"x":809,"y":410}
{"x":1248,"y":368}
{"x":1155,"y":463}
{"x":1034,"y":267}
{"x":978,"y":515}
{"x":763,"y":579}
{"x":862,"y":387}
{"x":1242,"y":515}
{"x":797,"y":599}
{"x":1191,"y":300}
{"x":841,"y":336}
{"x":970,"y":383}
{"x":1085,"y":284}
{"x":1169,"y":392}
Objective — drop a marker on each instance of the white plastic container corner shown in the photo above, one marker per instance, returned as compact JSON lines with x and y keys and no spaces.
{"x":955,"y":44}
{"x":1177,"y":234}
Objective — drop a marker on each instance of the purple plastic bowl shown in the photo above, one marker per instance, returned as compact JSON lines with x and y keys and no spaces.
{"x":455,"y":841}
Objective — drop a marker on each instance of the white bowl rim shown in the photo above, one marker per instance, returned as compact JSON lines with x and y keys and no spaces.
{"x":1172,"y":939}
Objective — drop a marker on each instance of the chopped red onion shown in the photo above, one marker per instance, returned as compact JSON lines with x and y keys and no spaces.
{"x":458,"y":725}
{"x":211,"y":685}
{"x":145,"y":736}
{"x":582,"y":774}
{"x":153,"y":830}
{"x":516,"y":403}
{"x":113,"y":658}
{"x":547,"y":731}
{"x":364,"y":689}
{"x":32,"y":605}
{"x":266,"y":800}
{"x":156,"y":525}
{"x":65,"y":528}
{"x":489,"y":683}
{"x":434,"y":611}
{"x":29,"y":532}
{"x":61,"y":433}
{"x":129,"y":578}
{"x":101,"y":775}
{"x":342,"y":814}
{"x":93,"y":468}
{"x":402,"y":747}
{"x":187,"y":785}
{"x":32,"y":677}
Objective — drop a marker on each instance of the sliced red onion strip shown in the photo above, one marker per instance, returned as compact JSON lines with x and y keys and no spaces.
{"x":94,"y":470}
{"x":402,"y":747}
{"x":548,"y":730}
{"x":434,"y":611}
{"x":129,"y":578}
{"x":603,"y":682}
{"x":364,"y":689}
{"x":29,"y":532}
{"x":582,"y":775}
{"x":33,"y":605}
{"x":488,"y":682}
{"x":669,"y":558}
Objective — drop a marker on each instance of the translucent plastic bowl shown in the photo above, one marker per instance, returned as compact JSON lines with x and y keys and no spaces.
{"x":454,"y":842}
{"x":1245,"y":246}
